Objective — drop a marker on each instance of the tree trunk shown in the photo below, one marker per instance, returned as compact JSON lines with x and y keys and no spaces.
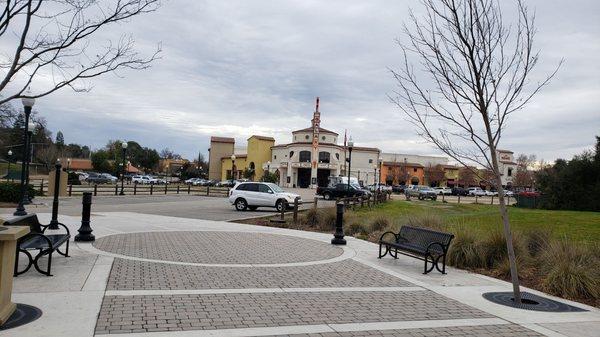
{"x":514,"y":276}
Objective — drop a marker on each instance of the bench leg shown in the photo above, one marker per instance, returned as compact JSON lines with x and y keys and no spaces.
{"x":29,"y":264}
{"x":48,"y":268}
{"x":433,"y":264}
{"x":443,"y":270}
{"x":387,"y":250}
{"x":66,"y":253}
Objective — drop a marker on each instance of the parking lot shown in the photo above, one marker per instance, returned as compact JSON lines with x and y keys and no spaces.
{"x":184,"y":206}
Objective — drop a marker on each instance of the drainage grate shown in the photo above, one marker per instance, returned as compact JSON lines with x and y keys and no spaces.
{"x":23,"y":314}
{"x":530,"y":302}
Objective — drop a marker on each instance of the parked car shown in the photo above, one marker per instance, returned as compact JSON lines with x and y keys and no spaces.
{"x":96,"y":178}
{"x":191,"y":181}
{"x":460,"y":191}
{"x":82,"y":175}
{"x":509,"y":193}
{"x":341,"y":190}
{"x":443,"y":190}
{"x":226,"y":183}
{"x":476,"y":191}
{"x":110,"y":177}
{"x":398,"y":188}
{"x":421,"y":192}
{"x":144,"y":180}
{"x":251,"y":195}
{"x":379,"y":187}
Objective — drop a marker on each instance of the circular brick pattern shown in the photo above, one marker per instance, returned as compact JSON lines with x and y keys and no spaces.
{"x":218,"y":247}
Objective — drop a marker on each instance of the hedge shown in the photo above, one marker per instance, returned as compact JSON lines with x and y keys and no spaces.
{"x":11,"y":192}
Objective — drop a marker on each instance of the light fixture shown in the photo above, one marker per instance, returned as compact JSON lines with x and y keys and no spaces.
{"x":28,"y":101}
{"x":124,"y":145}
{"x":31,"y":126}
{"x":10,"y":152}
{"x":233,"y":157}
{"x":350,"y":142}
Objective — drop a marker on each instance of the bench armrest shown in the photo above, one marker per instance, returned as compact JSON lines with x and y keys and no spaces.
{"x":436,"y":243}
{"x":60,"y":224}
{"x":386,"y":233}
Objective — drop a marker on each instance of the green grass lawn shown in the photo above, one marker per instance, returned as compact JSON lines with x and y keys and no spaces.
{"x":574,"y":225}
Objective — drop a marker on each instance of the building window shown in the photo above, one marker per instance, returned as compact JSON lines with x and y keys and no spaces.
{"x":291,"y":154}
{"x":323,"y":138}
{"x":306,"y":137}
{"x":324,"y":157}
{"x":274,"y":157}
{"x":510,"y":171}
{"x":370,"y":161}
{"x":415,"y":169}
{"x":337,"y":156}
{"x":305,"y":156}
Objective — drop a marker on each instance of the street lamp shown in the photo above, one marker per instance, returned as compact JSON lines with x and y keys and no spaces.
{"x":380,"y":162}
{"x":28,"y":103}
{"x":124,"y":148}
{"x":8,"y":171}
{"x":375,"y":182}
{"x":232,"y":166}
{"x":68,"y":164}
{"x":350,"y":146}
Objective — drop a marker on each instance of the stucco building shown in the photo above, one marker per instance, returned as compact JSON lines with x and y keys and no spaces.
{"x":507,"y":166}
{"x":219,"y":147}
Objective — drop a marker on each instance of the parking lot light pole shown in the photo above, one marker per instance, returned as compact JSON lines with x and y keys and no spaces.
{"x":8,"y":171}
{"x":28,"y":103}
{"x":124,"y":147}
{"x":350,"y":146}
{"x":233,"y":167}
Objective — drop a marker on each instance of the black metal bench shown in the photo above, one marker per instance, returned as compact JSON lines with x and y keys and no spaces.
{"x":423,"y":244}
{"x":36,"y":239}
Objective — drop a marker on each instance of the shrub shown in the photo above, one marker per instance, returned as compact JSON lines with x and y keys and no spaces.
{"x":379,"y":224}
{"x":492,"y":249}
{"x":355,"y":228}
{"x":328,"y":218}
{"x":571,"y":271}
{"x":426,"y":220}
{"x":11,"y":192}
{"x":311,"y":218}
{"x":463,"y":251}
{"x":537,"y":241}
{"x":525,"y":268}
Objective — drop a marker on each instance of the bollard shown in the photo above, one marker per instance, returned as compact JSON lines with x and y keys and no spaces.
{"x":54,"y":222}
{"x":178,"y":188}
{"x":95,"y":189}
{"x":70,"y":190}
{"x":85,"y":231}
{"x":296,"y":210}
{"x":338,"y":236}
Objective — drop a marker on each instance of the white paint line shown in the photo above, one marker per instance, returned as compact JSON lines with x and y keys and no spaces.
{"x":542,"y":330}
{"x":279,"y":330}
{"x":347,"y":253}
{"x":424,"y":324}
{"x":252,"y":290}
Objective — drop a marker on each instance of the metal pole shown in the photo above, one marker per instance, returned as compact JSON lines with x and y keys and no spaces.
{"x":29,"y":158}
{"x":349,"y":166}
{"x":85,"y":231}
{"x":8,"y":172}
{"x":54,"y":222}
{"x":296,"y":210}
{"x":123,"y":173}
{"x":20,"y":208}
{"x":338,"y":236}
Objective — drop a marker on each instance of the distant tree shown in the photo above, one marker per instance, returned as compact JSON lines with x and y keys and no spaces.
{"x":8,"y":113}
{"x":55,"y":45}
{"x":466,"y":177}
{"x":60,"y":140}
{"x":167,"y":153}
{"x":48,"y":155}
{"x":524,"y":175}
{"x":270,"y":177}
{"x":434,"y":174}
{"x":100,"y":161}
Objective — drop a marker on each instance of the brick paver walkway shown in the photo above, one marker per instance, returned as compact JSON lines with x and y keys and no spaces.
{"x":218,"y":247}
{"x":504,"y":330}
{"x":222,"y":311}
{"x":138,"y":275}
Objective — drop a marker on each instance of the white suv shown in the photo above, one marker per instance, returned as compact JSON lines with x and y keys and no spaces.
{"x":251,"y":195}
{"x":144,"y":180}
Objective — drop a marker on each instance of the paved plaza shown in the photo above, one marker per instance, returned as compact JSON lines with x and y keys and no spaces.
{"x":160,"y":276}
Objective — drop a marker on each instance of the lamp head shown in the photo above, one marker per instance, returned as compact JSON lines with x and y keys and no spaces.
{"x":10,"y":152}
{"x":31,"y":127}
{"x":350,"y":142}
{"x":124,"y":145}
{"x":233,"y":157}
{"x":28,"y":101}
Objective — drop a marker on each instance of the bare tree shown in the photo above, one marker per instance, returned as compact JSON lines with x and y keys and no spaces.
{"x":478,"y":73}
{"x":54,"y":44}
{"x":524,"y":174}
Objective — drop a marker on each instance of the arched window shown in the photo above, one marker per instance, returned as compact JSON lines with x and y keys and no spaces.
{"x":324,"y":157}
{"x":337,"y":156}
{"x":291,"y":154}
{"x":305,"y":156}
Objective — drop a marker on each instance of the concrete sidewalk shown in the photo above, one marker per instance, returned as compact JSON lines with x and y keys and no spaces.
{"x":150,"y":275}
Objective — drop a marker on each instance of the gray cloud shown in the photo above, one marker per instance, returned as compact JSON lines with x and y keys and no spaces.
{"x":236,"y":68}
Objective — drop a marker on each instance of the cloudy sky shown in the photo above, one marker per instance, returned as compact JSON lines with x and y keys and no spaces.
{"x":236,"y":68}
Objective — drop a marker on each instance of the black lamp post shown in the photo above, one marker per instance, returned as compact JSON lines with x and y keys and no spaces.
{"x":28,"y":103}
{"x":68,"y":164}
{"x":380,"y":162}
{"x":124,"y":147}
{"x":30,"y":132}
{"x":8,"y":171}
{"x":233,"y":167}
{"x":350,"y":146}
{"x":375,"y":182}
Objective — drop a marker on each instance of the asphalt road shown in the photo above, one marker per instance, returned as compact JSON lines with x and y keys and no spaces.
{"x":185,"y":206}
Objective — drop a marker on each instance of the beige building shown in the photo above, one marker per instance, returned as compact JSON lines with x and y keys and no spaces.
{"x":220,"y":147}
{"x":507,"y":166}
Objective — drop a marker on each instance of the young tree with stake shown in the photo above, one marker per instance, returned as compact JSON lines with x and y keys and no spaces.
{"x":479,"y":72}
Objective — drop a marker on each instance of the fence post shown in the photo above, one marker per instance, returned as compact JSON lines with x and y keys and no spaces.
{"x":178,"y":188}
{"x":443,"y":200}
{"x":296,"y":210}
{"x":189,"y":188}
{"x":491,"y":203}
{"x":95,"y":189}
{"x":166,"y":187}
{"x":459,"y":198}
{"x":42,"y":187}
{"x":362,"y":202}
{"x":135,"y":188}
{"x":151,"y":188}
{"x":116,"y":189}
{"x":476,"y":199}
{"x":207,"y":190}
{"x":316,"y":202}
{"x":508,"y":200}
{"x":70,"y":190}
{"x":282,"y":214}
